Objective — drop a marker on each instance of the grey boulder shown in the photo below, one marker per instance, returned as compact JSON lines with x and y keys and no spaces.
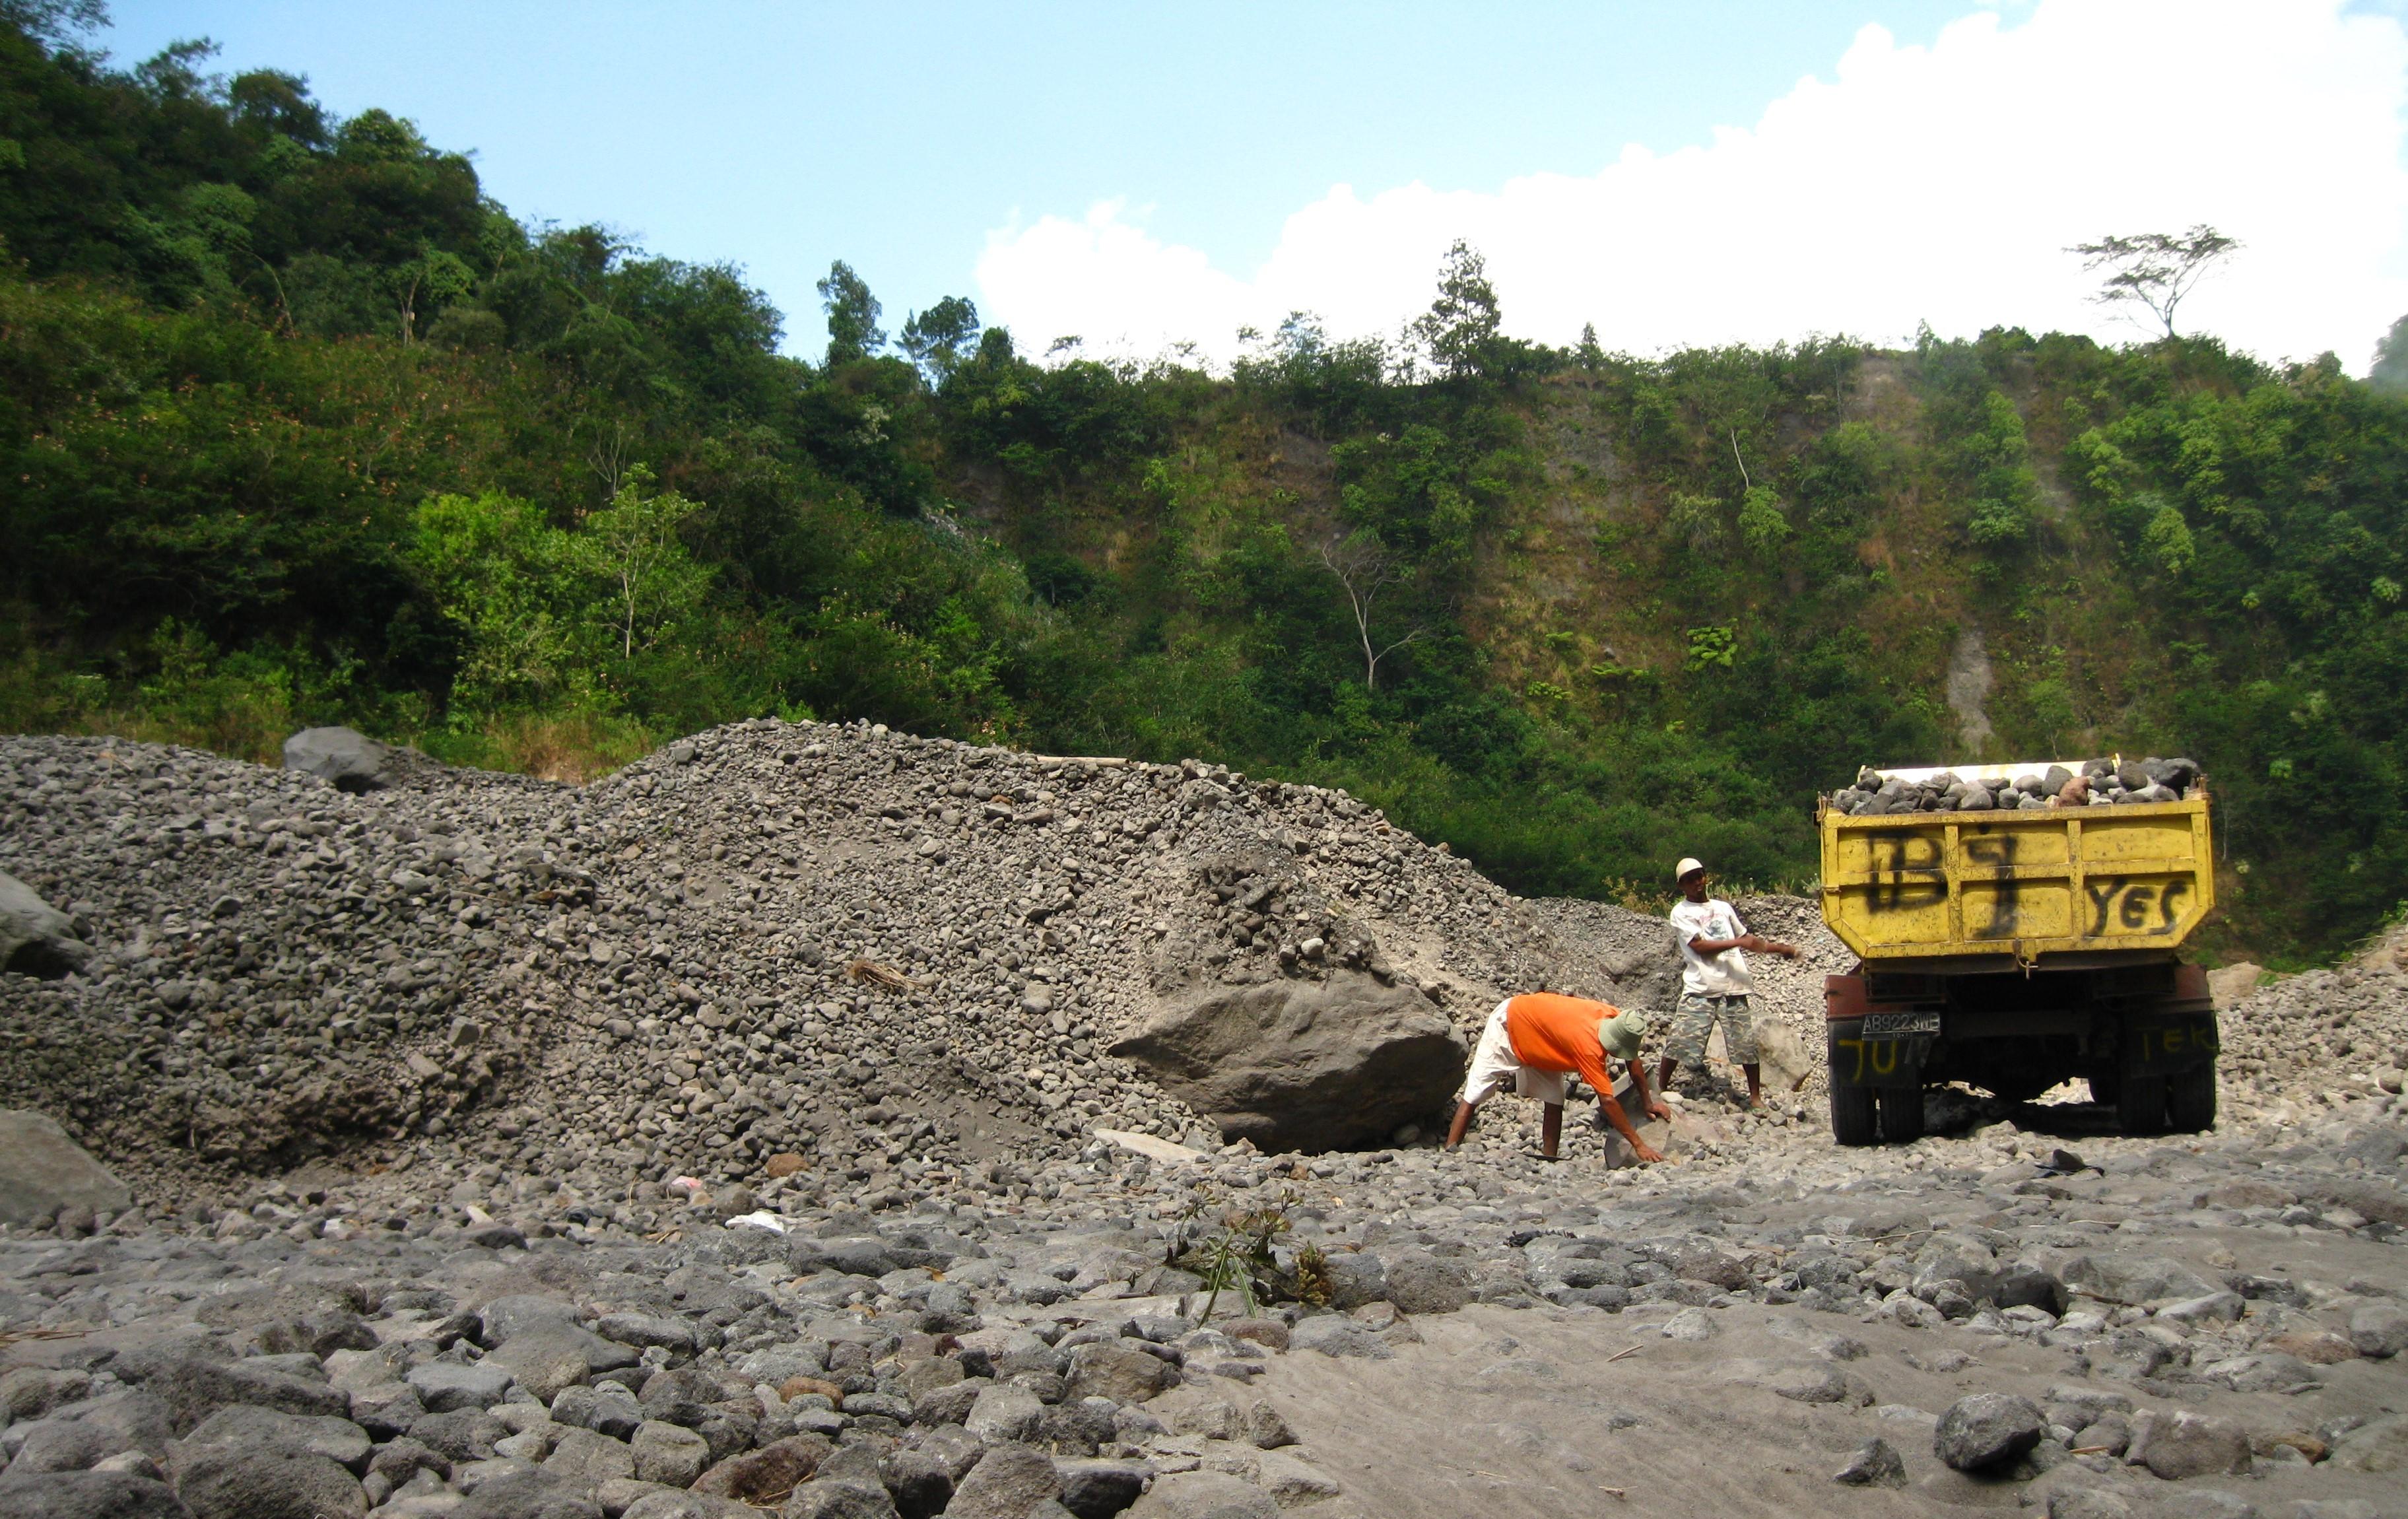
{"x":1987,"y":1431}
{"x":2379,"y":1330}
{"x":37,"y":938}
{"x":1204,"y":1495}
{"x":344,"y":757}
{"x":232,"y":1481}
{"x":1008,"y":1482}
{"x":2122,"y":1277}
{"x":42,"y":1170}
{"x":88,"y":1495}
{"x":1301,"y":1065}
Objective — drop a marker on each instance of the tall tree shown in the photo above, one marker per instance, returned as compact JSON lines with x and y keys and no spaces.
{"x":2155,"y":269}
{"x":853,"y":315}
{"x":942,"y":336}
{"x":1364,"y":569}
{"x":1459,"y":330}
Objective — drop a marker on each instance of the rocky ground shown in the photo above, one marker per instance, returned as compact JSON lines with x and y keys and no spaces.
{"x":504,"y":1149}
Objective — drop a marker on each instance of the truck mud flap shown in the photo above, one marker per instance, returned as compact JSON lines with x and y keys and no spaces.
{"x":2165,"y":1043}
{"x":1881,"y":1049}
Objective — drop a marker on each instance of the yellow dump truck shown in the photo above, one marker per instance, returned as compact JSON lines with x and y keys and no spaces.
{"x":2013,"y":951}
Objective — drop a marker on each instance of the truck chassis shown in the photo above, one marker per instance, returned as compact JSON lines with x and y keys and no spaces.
{"x":2143,"y":1035}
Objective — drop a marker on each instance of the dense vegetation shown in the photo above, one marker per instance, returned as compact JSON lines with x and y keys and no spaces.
{"x":298,"y":426}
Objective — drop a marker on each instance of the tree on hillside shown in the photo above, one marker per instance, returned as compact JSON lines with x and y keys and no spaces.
{"x":1365,"y":568}
{"x":53,"y":22}
{"x":2155,"y":270}
{"x":1459,"y":330}
{"x":632,"y":547}
{"x":851,"y":315}
{"x":940,"y":337}
{"x":2390,"y":371}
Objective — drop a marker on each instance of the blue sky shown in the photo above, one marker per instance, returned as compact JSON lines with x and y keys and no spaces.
{"x":1137,"y":171}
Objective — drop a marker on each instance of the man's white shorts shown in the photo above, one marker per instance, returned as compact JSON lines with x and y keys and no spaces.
{"x":1494,"y":1068}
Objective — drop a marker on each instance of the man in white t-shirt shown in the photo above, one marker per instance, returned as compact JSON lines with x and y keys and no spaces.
{"x":1715,"y":982}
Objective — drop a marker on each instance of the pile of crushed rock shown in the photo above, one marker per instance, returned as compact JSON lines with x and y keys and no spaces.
{"x":887,"y":962}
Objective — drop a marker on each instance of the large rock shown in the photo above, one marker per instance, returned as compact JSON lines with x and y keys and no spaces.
{"x":669,"y":1453}
{"x":349,"y":759}
{"x":194,"y":1386}
{"x":42,"y":1170}
{"x":1419,"y":1282}
{"x":1099,"y":1489}
{"x":1114,"y":1369}
{"x":1300,"y":1065}
{"x":1987,"y":1431}
{"x":279,"y":1482}
{"x":1204,"y":1495}
{"x":2122,"y":1277}
{"x":37,"y":938}
{"x":2188,"y":1444}
{"x":1008,"y":1482}
{"x":1006,"y":1411}
{"x":767,"y":1474}
{"x":446,"y":1386}
{"x":2379,"y":1331}
{"x":2380,"y":1446}
{"x":88,"y":1495}
{"x":248,"y":1428}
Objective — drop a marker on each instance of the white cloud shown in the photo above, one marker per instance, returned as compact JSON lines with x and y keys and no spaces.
{"x":1935,"y":183}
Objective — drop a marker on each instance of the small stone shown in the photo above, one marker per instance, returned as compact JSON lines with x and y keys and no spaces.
{"x":1691,"y":1325}
{"x":1877,"y":1464}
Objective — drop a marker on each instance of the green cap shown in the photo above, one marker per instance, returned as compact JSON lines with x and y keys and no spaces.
{"x":1621,"y":1035}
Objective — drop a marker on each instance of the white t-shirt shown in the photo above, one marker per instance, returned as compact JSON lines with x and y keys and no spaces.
{"x":1711,"y":975}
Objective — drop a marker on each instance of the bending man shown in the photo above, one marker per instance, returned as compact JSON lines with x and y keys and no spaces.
{"x":1534,"y":1042}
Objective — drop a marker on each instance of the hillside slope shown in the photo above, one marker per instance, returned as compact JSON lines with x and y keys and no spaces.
{"x":303,"y":430}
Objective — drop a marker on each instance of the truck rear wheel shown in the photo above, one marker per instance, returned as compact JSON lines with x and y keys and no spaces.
{"x":2141,"y":1104}
{"x":2190,"y":1101}
{"x":1851,"y":1115}
{"x":1902,"y":1115}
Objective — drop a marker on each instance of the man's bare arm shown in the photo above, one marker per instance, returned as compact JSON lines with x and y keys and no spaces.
{"x":1647,"y":1103}
{"x":1754,"y":943}
{"x":1621,"y":1121}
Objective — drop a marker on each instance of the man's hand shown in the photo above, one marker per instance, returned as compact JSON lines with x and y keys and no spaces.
{"x":1656,"y":1109}
{"x":1647,"y":1153}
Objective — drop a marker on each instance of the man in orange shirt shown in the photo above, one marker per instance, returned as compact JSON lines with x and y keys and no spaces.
{"x":1533,"y":1042}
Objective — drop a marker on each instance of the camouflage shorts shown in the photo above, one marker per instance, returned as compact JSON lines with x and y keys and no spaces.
{"x":1694,"y":1018}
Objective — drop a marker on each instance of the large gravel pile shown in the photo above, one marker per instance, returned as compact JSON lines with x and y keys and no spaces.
{"x":2304,"y":1036}
{"x":891,"y":956}
{"x":713,"y":1140}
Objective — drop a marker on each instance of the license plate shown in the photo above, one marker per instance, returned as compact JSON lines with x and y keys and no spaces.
{"x":1890,"y":1026}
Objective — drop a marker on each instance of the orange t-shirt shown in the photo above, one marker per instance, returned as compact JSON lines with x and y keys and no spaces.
{"x":1552,"y":1032}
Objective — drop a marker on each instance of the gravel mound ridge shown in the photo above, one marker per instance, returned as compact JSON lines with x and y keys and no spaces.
{"x":894,"y":956}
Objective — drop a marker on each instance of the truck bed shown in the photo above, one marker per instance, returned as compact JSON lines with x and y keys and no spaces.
{"x":2062,"y":888}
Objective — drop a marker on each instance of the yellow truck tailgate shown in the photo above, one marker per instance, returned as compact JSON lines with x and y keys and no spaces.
{"x":2063,"y":886}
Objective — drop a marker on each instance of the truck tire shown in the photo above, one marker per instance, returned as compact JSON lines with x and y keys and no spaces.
{"x":1902,"y":1115}
{"x":1852,"y":1115}
{"x":2141,"y":1104}
{"x":2190,"y":1101}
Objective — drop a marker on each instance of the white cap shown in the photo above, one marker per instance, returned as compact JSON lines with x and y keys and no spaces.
{"x":1686,"y":865}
